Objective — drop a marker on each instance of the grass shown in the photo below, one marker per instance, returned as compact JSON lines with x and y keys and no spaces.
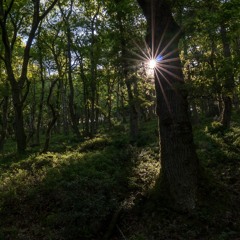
{"x":75,"y":190}
{"x":71,"y":193}
{"x":217,"y":216}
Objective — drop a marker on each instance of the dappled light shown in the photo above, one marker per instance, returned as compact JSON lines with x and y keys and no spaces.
{"x":119,"y":120}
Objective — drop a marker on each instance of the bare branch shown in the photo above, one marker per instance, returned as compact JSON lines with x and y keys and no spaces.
{"x":8,"y":9}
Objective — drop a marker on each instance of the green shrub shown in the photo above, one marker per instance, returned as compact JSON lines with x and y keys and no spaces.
{"x":215,"y":128}
{"x":97,"y":143}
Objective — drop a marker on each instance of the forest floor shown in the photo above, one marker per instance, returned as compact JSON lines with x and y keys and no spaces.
{"x":103,"y":188}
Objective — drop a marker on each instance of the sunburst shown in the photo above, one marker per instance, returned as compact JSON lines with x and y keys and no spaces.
{"x":159,"y":63}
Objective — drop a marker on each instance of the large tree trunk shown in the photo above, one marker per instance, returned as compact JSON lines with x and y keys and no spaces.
{"x":19,"y":120}
{"x":179,"y":162}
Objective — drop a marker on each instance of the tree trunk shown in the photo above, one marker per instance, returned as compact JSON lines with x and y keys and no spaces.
{"x":85,"y":96}
{"x":3,"y":131}
{"x":71,"y":93}
{"x":53,"y":120}
{"x":40,"y":107}
{"x":18,"y":84}
{"x":179,"y":162}
{"x":125,"y":74}
{"x":133,"y":112}
{"x":93,"y":87}
{"x":226,"y":112}
{"x":32,"y":117}
{"x":74,"y":119}
{"x":229,"y":81}
{"x":19,"y":121}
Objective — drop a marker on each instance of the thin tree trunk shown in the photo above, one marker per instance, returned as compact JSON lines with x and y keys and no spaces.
{"x":133,"y":113}
{"x":132,"y":106}
{"x":85,"y":96}
{"x":93,"y":88}
{"x":18,"y":84}
{"x":40,"y":111}
{"x":229,"y":81}
{"x":74,"y":119}
{"x":97,"y":109}
{"x":32,"y":129}
{"x":3,"y":131}
{"x":71,"y":93}
{"x":109,"y":103}
{"x":53,"y":120}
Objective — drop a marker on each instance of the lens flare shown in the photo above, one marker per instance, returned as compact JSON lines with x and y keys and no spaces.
{"x":152,"y":63}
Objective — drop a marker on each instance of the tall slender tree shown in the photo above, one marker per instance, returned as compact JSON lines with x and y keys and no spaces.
{"x":8,"y":22}
{"x":66,"y":19}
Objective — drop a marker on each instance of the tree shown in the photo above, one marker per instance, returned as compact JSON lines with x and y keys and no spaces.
{"x":125,"y":72}
{"x":11,"y":19}
{"x":179,"y":162}
{"x":66,"y":20}
{"x":211,"y":30}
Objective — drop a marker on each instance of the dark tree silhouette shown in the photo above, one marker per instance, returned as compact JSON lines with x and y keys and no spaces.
{"x":179,"y":162}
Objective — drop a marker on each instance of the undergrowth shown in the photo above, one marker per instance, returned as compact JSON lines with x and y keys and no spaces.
{"x":75,"y":190}
{"x":71,"y":194}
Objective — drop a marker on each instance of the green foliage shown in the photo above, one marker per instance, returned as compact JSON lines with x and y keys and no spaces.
{"x":216,"y":127}
{"x":72,"y":194}
{"x":96,"y":143}
{"x":146,"y":170}
{"x":217,"y":214}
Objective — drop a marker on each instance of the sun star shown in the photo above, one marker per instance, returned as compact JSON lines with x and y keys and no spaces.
{"x":152,"y":63}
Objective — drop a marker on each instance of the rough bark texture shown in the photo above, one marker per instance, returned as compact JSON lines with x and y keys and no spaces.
{"x":179,"y":162}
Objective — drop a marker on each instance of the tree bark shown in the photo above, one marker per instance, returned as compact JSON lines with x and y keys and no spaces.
{"x":74,"y":119}
{"x":54,"y":117}
{"x":73,"y":116}
{"x":133,"y":112}
{"x":229,"y":81}
{"x":18,"y":84}
{"x":179,"y":162}
{"x":40,"y":106}
{"x":4,"y":123}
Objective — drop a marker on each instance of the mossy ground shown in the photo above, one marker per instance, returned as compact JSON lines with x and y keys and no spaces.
{"x":73,"y":191}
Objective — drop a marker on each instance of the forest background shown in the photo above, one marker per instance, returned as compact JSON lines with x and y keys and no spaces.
{"x":78,"y":122}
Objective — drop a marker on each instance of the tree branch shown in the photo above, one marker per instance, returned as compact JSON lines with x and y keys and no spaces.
{"x":8,"y":9}
{"x":48,"y":10}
